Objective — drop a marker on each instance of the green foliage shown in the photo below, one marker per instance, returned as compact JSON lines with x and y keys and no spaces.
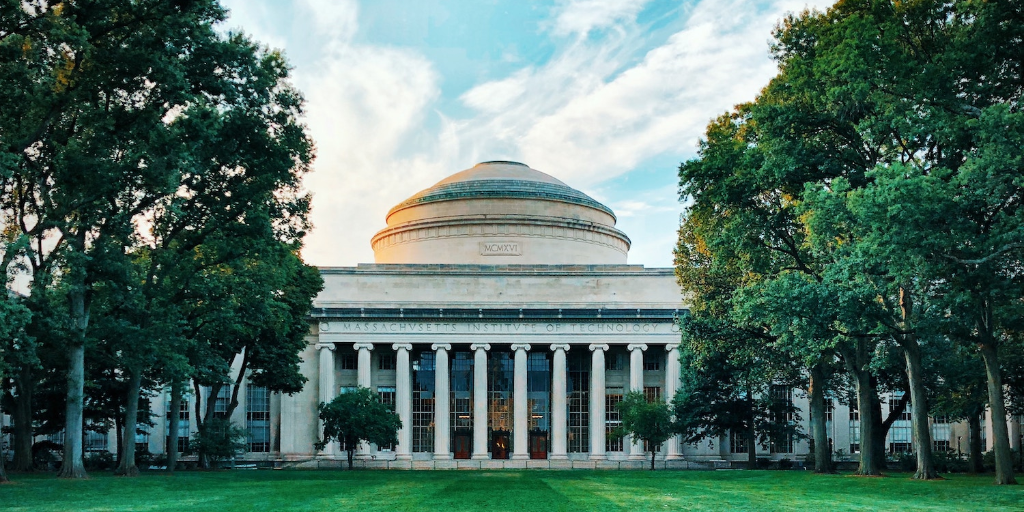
{"x":949,"y":462}
{"x":650,"y":422}
{"x":143,"y":152}
{"x":100,"y":461}
{"x":218,"y":440}
{"x":355,"y":416}
{"x":870,"y":196}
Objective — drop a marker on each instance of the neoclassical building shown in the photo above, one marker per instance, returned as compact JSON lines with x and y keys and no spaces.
{"x":501,"y":320}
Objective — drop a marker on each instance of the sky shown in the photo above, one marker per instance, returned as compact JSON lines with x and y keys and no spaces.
{"x":609,"y":96}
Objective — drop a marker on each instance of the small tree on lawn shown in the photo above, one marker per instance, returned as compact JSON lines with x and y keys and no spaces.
{"x":217,"y":440}
{"x":650,"y":422}
{"x":356,"y":416}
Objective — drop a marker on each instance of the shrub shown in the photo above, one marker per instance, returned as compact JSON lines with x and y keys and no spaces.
{"x":99,"y":461}
{"x":949,"y":462}
{"x":218,"y":440}
{"x":903,"y":461}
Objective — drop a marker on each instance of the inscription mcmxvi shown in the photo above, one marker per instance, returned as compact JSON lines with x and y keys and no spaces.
{"x":500,"y":249}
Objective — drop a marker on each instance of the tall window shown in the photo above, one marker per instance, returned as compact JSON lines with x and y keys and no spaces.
{"x":500,"y":373}
{"x":538,"y":390}
{"x":142,"y":435}
{"x":578,"y":402}
{"x":142,"y":438}
{"x":95,"y":441}
{"x":900,"y":433}
{"x":387,"y":396}
{"x":386,"y":361}
{"x":461,"y":388}
{"x":783,"y":416}
{"x":940,"y":434}
{"x":615,"y":359}
{"x":652,"y":361}
{"x":652,"y":393}
{"x":180,"y":439}
{"x":613,"y":420}
{"x":257,"y":418}
{"x":220,"y":408}
{"x":737,"y":442}
{"x":347,"y":360}
{"x":423,"y":368}
{"x":830,"y":424}
{"x":854,"y":427}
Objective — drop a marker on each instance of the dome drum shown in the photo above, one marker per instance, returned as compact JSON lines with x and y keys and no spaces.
{"x":500,"y":213}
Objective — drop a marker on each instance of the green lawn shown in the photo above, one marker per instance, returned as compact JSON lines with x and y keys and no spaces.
{"x":519,"y":491}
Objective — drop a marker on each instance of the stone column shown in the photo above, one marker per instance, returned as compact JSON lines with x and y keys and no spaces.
{"x":363,"y":368}
{"x":480,"y":400}
{"x":520,"y":423}
{"x":634,"y":448}
{"x":597,"y":412}
{"x":673,"y":449}
{"x":363,"y":364}
{"x":559,"y":438}
{"x":442,"y":402}
{"x":403,"y":399}
{"x":326,"y":387}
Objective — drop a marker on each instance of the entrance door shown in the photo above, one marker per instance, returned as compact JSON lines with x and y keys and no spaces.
{"x":538,"y":444}
{"x":463,"y":445}
{"x":499,"y":444}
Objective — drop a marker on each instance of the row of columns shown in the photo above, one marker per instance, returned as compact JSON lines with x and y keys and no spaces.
{"x":442,"y":418}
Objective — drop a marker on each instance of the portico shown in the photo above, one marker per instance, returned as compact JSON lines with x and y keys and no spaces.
{"x":538,"y":342}
{"x":503,"y":323}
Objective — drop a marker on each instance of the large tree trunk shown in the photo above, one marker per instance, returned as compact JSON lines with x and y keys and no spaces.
{"x":919,"y":415}
{"x":208,"y":417}
{"x":73,"y":465}
{"x":3,"y":471}
{"x":974,"y":448}
{"x":922,"y":435}
{"x":349,"y":452}
{"x":23,"y":421}
{"x":652,"y":459}
{"x":856,"y":358}
{"x":867,"y":405}
{"x":1000,"y":435}
{"x":173,"y":425}
{"x":880,"y":427}
{"x":819,"y":429}
{"x":127,"y":466}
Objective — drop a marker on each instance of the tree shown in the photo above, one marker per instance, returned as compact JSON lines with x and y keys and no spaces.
{"x":877,"y":165}
{"x":132,"y":131}
{"x":14,"y":316}
{"x":355,"y":416}
{"x":647,"y":421}
{"x":90,"y":86}
{"x":217,"y":440}
{"x":727,"y":391}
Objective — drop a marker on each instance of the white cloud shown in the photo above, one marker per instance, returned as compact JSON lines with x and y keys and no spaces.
{"x":599,"y":106}
{"x":582,"y":16}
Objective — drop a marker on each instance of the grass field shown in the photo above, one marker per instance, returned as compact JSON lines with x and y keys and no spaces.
{"x":519,"y":491}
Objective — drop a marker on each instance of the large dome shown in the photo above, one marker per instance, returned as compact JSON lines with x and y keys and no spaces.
{"x":500,"y":213}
